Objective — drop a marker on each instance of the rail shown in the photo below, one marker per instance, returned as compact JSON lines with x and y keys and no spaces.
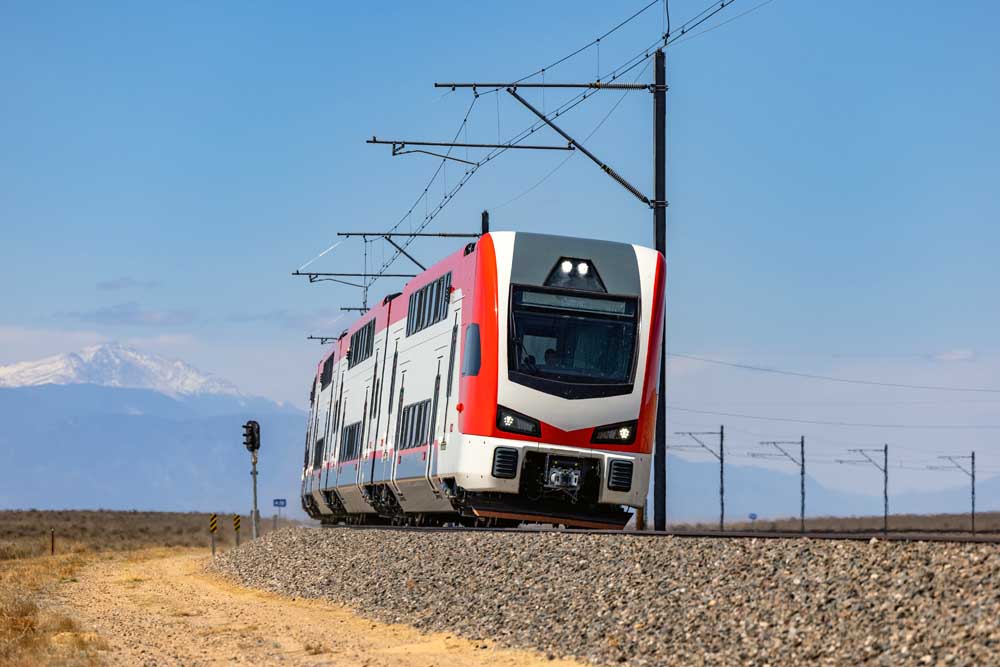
{"x":853,"y":536}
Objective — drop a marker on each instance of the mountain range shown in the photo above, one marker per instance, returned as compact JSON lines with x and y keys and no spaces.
{"x":116,"y":365}
{"x":112,"y":427}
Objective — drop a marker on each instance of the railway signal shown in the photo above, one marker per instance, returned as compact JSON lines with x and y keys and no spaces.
{"x":251,"y":436}
{"x":251,"y":440}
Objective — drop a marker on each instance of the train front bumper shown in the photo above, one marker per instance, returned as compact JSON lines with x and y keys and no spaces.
{"x":486,"y":465}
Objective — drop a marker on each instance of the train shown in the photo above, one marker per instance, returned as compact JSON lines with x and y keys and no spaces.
{"x":514,"y":381}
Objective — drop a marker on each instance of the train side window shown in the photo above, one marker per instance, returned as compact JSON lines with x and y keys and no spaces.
{"x":350,"y":443}
{"x":471,"y":353}
{"x":421,"y":425}
{"x":411,"y":313}
{"x":428,"y":305}
{"x":318,"y":453}
{"x":326,"y":377}
{"x":445,"y":296}
{"x":408,"y":438}
{"x":361,"y":344}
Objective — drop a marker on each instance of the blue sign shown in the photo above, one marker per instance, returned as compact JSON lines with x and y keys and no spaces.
{"x":753,"y":516}
{"x":280,"y":502}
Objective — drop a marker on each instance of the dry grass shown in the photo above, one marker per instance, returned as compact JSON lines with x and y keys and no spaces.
{"x":26,"y":533}
{"x":986,"y":523}
{"x":31,"y":634}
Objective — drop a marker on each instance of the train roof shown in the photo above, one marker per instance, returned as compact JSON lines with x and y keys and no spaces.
{"x":439,"y":268}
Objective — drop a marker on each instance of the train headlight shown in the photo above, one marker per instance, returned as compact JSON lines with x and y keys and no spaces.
{"x":575,"y":273}
{"x":622,"y":433}
{"x":515,"y":422}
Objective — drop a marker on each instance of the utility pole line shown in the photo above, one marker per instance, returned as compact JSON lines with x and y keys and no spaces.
{"x":884,"y":468}
{"x":386,"y":235}
{"x":721,"y":456}
{"x":971,"y":472}
{"x":660,"y":243}
{"x":801,"y":462}
{"x":658,"y":204}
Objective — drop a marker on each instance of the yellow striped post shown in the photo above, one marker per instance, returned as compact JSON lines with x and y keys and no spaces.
{"x":236,"y":527}
{"x":213,"y":526}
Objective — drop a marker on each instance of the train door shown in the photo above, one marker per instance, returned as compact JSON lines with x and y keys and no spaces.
{"x":330,"y":428}
{"x":398,"y":433}
{"x":432,"y":429}
{"x":381,"y":462}
{"x":440,"y":438}
{"x":370,"y":418}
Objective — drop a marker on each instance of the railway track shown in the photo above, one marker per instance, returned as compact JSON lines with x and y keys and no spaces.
{"x":910,"y":536}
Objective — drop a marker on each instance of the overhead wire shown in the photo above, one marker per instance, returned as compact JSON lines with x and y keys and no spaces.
{"x":569,"y":157}
{"x":691,"y":35}
{"x":664,"y":41}
{"x":828,"y":378}
{"x":821,"y":422}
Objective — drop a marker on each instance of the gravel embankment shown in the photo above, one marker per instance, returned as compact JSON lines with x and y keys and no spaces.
{"x":654,"y":601}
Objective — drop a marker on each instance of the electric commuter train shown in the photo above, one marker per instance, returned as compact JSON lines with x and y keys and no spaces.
{"x":514,"y":381}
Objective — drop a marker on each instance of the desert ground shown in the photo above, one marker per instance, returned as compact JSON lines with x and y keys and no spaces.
{"x":134,"y":589}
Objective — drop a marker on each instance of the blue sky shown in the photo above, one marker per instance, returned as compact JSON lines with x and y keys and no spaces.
{"x":832,"y":178}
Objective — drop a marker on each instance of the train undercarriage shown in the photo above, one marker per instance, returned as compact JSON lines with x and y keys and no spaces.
{"x":537,"y":501}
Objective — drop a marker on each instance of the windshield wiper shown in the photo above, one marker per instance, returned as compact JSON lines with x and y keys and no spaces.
{"x":525,"y":358}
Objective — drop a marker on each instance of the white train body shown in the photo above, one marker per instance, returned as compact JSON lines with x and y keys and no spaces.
{"x":513,"y":381}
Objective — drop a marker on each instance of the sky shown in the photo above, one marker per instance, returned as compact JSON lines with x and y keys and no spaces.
{"x":832,"y":172}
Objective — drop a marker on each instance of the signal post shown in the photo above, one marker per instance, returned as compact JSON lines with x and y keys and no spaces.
{"x":251,"y":440}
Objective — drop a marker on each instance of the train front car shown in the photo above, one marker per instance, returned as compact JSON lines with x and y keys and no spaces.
{"x":560,"y":362}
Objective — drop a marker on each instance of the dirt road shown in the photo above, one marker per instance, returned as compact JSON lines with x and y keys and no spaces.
{"x":161,"y":608}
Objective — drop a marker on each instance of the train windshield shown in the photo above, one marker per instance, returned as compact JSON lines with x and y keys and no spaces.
{"x":572,"y":345}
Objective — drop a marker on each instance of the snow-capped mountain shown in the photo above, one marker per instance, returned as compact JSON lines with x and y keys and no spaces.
{"x":116,"y":365}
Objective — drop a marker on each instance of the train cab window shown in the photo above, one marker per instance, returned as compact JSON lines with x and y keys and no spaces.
{"x":471,"y":351}
{"x":571,"y":345}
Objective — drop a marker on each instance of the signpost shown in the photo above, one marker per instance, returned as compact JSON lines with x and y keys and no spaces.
{"x":753,"y":519}
{"x":236,"y":527}
{"x":279,"y":503}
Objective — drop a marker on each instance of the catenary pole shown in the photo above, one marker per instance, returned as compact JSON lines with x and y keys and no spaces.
{"x":720,"y":456}
{"x":970,"y":472}
{"x":883,"y":468}
{"x":973,"y":492}
{"x":660,"y":237}
{"x":885,"y":489}
{"x":800,"y":462}
{"x":255,"y":517}
{"x":802,"y":484}
{"x":722,"y":478}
